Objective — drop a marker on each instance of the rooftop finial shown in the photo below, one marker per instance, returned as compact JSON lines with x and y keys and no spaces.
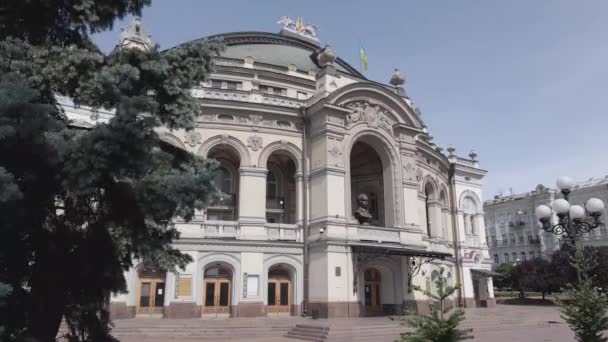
{"x":397,"y":80}
{"x":473,"y":155}
{"x":134,"y":35}
{"x":451,"y":149}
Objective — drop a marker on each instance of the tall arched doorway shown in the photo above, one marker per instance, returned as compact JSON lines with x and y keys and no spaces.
{"x":224,"y":207}
{"x":280,"y":290}
{"x":366,"y":177}
{"x":372,"y":292}
{"x":217,"y":290}
{"x":280,"y":189}
{"x":150,"y":290}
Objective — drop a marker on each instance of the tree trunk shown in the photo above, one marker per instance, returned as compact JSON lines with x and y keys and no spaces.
{"x":522,"y":294}
{"x":48,"y":292}
{"x":543,"y":295}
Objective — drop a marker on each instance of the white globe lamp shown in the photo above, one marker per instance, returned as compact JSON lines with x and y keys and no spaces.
{"x":577,"y":212}
{"x":595,"y":206}
{"x":561,"y":206}
{"x":542,"y":212}
{"x":565,"y":183}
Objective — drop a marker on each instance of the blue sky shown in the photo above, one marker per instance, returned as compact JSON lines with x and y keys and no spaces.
{"x":523,"y":82}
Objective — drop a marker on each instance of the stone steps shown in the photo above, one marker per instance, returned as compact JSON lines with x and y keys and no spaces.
{"x":309,"y":332}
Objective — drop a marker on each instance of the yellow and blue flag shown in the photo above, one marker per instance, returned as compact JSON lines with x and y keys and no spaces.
{"x":364,"y":61}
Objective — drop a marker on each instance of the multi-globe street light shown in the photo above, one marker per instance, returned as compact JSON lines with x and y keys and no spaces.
{"x":572,"y":219}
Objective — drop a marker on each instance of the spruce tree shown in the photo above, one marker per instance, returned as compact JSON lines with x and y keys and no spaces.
{"x":437,"y":328}
{"x":78,"y":207}
{"x":584,"y":306}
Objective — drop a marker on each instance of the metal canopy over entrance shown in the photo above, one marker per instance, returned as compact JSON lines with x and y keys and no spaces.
{"x":396,"y":250}
{"x":485,"y":273}
{"x":364,"y":253}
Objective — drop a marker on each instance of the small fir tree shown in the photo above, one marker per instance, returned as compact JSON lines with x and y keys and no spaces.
{"x":584,"y":305}
{"x":436,"y":328}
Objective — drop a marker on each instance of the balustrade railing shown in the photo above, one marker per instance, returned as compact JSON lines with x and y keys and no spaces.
{"x":220,"y":229}
{"x":283,"y":231}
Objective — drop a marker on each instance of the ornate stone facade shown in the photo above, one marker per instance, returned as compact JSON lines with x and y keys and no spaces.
{"x":297,"y":142}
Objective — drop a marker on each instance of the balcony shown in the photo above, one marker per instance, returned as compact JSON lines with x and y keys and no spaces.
{"x":209,"y":230}
{"x":378,"y":234}
{"x":231,"y":230}
{"x":283,"y":232}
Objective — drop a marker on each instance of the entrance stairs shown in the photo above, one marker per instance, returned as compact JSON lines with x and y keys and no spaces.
{"x":309,"y":332}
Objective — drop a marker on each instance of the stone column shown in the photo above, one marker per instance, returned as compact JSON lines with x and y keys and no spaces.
{"x":252,"y":209}
{"x":299,"y":198}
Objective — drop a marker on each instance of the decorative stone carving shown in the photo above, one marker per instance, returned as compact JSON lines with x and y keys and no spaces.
{"x":254,"y":142}
{"x":362,"y":213}
{"x":298,"y":26}
{"x":375,"y":115}
{"x":409,"y":171}
{"x":193,"y":138}
{"x":418,"y":174}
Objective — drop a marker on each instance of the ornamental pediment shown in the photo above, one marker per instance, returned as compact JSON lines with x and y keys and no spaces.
{"x":371,"y":113}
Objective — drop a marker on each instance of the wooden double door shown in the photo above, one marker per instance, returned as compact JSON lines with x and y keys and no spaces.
{"x":372,"y":289}
{"x":217,"y":297}
{"x":279,"y":296}
{"x":151,"y":296}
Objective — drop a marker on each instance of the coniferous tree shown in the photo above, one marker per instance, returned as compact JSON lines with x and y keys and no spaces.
{"x":437,"y":328}
{"x":79,"y":207}
{"x":584,"y":306}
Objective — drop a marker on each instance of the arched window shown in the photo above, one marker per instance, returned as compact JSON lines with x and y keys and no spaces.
{"x":272,"y":187}
{"x":224,"y":206}
{"x":223,"y":180}
{"x":428,"y":196}
{"x":280,"y":189}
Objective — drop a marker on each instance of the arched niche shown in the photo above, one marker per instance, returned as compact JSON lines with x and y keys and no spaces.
{"x":383,"y":146}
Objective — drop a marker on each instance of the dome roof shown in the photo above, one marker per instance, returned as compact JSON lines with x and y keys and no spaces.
{"x":276,"y":49}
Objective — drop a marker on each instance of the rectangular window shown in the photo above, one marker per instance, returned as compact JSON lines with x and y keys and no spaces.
{"x":184,"y":286}
{"x":273,"y":90}
{"x":521,"y":238}
{"x":234,"y":85}
{"x":338,"y":271}
{"x":523,"y":256}
{"x":216,"y":84}
{"x":252,"y":285}
{"x":506,"y":257}
{"x":496,"y":259}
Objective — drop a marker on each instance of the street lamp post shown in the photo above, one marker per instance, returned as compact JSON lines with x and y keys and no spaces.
{"x":572,"y":219}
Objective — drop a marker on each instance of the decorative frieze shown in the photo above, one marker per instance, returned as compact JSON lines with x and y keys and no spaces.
{"x":252,"y":120}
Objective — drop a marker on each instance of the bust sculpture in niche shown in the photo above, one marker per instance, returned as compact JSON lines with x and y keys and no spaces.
{"x":362,"y":213}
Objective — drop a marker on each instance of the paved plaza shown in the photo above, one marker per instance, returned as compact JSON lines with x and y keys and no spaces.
{"x":506,"y":323}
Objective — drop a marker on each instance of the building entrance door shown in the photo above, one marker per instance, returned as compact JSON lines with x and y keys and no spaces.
{"x":373,"y":282}
{"x":279,"y":296}
{"x":151,"y":296}
{"x":216,"y":297}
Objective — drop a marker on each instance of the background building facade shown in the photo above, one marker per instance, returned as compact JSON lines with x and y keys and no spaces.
{"x":299,"y":134}
{"x":513,"y":233}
